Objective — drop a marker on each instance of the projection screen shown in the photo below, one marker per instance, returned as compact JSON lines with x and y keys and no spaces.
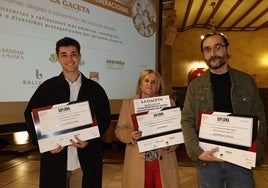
{"x":119,"y":39}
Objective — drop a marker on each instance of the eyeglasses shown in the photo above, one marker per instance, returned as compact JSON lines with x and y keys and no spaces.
{"x":216,"y":48}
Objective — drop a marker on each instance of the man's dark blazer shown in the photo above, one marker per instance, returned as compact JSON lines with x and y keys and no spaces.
{"x":53,"y":167}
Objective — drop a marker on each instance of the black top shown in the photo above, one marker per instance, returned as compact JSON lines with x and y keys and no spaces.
{"x":221,"y":84}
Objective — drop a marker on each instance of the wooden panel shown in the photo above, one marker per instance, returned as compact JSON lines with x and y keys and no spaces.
{"x":264,"y":96}
{"x":178,"y":94}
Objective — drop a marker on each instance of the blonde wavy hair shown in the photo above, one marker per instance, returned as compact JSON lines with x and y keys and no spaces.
{"x":160,"y":83}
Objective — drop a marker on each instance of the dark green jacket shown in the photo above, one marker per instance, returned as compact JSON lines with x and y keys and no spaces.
{"x":245,"y":100}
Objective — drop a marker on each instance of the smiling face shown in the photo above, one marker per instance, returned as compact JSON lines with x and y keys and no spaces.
{"x":215,"y":53}
{"x":69,"y":58}
{"x":149,"y":86}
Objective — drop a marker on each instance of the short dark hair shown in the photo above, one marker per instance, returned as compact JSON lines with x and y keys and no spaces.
{"x":67,"y":41}
{"x":225,"y":40}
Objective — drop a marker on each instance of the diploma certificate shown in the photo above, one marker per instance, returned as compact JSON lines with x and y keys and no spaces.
{"x":159,"y":129}
{"x":56,"y":125}
{"x":158,"y":122}
{"x":229,"y":129}
{"x":232,"y":134}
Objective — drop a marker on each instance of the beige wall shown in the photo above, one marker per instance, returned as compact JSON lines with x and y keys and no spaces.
{"x":248,"y":50}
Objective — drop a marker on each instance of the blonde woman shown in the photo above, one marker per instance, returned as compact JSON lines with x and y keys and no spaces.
{"x":151,"y":169}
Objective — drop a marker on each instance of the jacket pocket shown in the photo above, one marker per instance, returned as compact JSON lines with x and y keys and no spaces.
{"x":201,"y":101}
{"x":243,"y":104}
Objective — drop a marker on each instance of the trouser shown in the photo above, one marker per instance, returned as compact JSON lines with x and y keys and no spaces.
{"x":224,"y":174}
{"x":152,"y":175}
{"x":69,"y":173}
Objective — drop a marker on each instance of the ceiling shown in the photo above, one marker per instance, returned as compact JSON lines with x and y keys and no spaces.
{"x":225,"y":15}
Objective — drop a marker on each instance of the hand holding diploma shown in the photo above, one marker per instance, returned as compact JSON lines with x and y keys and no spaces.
{"x":159,"y":129}
{"x":78,"y":144}
{"x":209,"y":155}
{"x":62,"y":124}
{"x":233,"y":135}
{"x":57,"y":150}
{"x":136,"y":135}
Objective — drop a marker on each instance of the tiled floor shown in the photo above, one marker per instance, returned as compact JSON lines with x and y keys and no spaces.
{"x":23,"y":172}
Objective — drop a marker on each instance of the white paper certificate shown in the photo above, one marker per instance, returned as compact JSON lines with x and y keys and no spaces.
{"x":158,"y":122}
{"x":58,"y":124}
{"x":239,"y":157}
{"x":151,"y":104}
{"x":160,"y":129}
{"x":229,"y":134}
{"x":228,"y":129}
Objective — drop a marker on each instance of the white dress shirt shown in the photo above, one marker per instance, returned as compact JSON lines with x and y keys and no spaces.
{"x":72,"y":156}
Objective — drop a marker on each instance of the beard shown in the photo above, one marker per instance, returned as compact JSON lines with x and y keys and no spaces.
{"x":220,"y":62}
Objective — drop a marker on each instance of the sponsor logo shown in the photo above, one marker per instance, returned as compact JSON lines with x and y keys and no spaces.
{"x":11,"y":54}
{"x":115,"y":64}
{"x":53,"y":58}
{"x":34,"y":83}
